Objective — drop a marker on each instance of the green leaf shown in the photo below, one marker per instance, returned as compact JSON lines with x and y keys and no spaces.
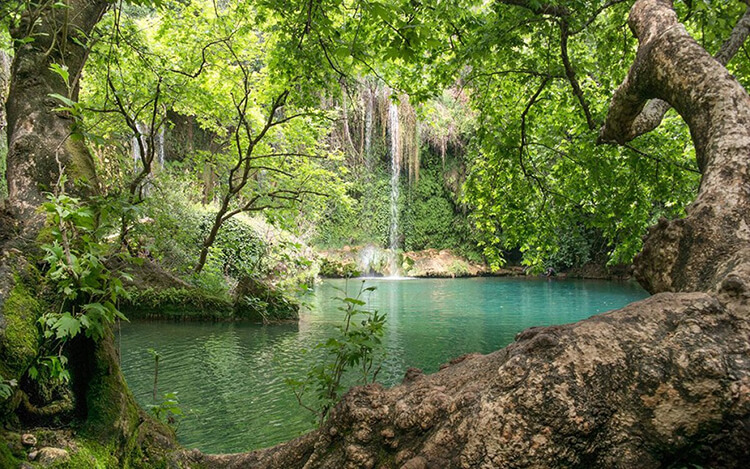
{"x":67,"y":326}
{"x":61,"y":70}
{"x":68,"y":102}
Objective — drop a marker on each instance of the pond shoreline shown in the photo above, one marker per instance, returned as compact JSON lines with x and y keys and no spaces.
{"x":155,"y":294}
{"x":430,"y":322}
{"x":369,"y":261}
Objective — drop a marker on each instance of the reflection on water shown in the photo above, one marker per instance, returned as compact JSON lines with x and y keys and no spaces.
{"x":232,"y":375}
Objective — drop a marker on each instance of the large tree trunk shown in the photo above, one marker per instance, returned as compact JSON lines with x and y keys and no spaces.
{"x":39,"y":137}
{"x":40,"y":150}
{"x":708,"y":249}
{"x":663,"y":381}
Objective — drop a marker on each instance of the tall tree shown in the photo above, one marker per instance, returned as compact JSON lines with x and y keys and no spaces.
{"x":40,"y":142}
{"x":51,"y":42}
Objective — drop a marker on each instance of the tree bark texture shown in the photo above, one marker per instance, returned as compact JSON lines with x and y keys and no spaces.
{"x":39,"y":142}
{"x":663,"y":382}
{"x":654,"y":111}
{"x":708,"y":250}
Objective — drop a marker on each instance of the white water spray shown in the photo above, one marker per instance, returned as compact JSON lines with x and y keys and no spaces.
{"x":395,"y":171}
{"x":160,"y":148}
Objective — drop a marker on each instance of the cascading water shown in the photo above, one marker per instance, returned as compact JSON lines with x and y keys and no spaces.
{"x":160,"y":148}
{"x":395,"y":172}
{"x":136,"y":149}
{"x":368,"y":123}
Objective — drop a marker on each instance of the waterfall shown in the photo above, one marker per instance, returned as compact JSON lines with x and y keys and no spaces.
{"x":368,"y":258}
{"x":395,"y":171}
{"x":368,"y":122}
{"x":136,"y":149}
{"x":160,"y":148}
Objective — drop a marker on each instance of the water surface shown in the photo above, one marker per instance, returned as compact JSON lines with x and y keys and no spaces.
{"x":232,"y":376}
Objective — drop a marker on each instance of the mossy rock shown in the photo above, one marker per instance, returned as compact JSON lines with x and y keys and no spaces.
{"x":253,"y":301}
{"x":91,"y":455}
{"x":257,"y":301}
{"x":177,"y":303}
{"x":9,"y":458}
{"x":148,"y":449}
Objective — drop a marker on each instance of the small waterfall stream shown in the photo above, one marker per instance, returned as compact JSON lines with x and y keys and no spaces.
{"x":160,"y":148}
{"x":136,"y":149}
{"x":395,"y":172}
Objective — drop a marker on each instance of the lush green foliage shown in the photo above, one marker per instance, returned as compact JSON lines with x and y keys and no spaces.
{"x":356,"y":348}
{"x":266,"y":83}
{"x":174,"y":224}
{"x":536,"y":171}
{"x":362,"y":217}
{"x":86,"y":289}
{"x":431,"y":218}
{"x":76,"y":259}
{"x":6,"y":387}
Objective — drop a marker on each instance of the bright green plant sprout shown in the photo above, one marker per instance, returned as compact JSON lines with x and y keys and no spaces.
{"x":357,"y":347}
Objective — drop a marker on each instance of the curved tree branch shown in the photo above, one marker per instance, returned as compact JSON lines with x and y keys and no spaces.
{"x":653,"y":113}
{"x":709,"y":249}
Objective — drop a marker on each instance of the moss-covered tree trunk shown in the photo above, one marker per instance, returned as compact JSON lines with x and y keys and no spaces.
{"x":664,"y":382}
{"x":39,"y":137}
{"x":40,"y":150}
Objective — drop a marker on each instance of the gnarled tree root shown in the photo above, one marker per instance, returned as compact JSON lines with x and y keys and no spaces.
{"x":58,"y":407}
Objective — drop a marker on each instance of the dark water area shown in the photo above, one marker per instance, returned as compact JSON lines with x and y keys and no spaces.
{"x":230,"y":377}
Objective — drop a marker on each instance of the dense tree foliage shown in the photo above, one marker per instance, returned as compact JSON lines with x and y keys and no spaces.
{"x":281,"y":92}
{"x":212,"y":141}
{"x":541,"y":81}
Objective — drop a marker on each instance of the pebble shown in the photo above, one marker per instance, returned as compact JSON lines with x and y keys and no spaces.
{"x":28,"y":439}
